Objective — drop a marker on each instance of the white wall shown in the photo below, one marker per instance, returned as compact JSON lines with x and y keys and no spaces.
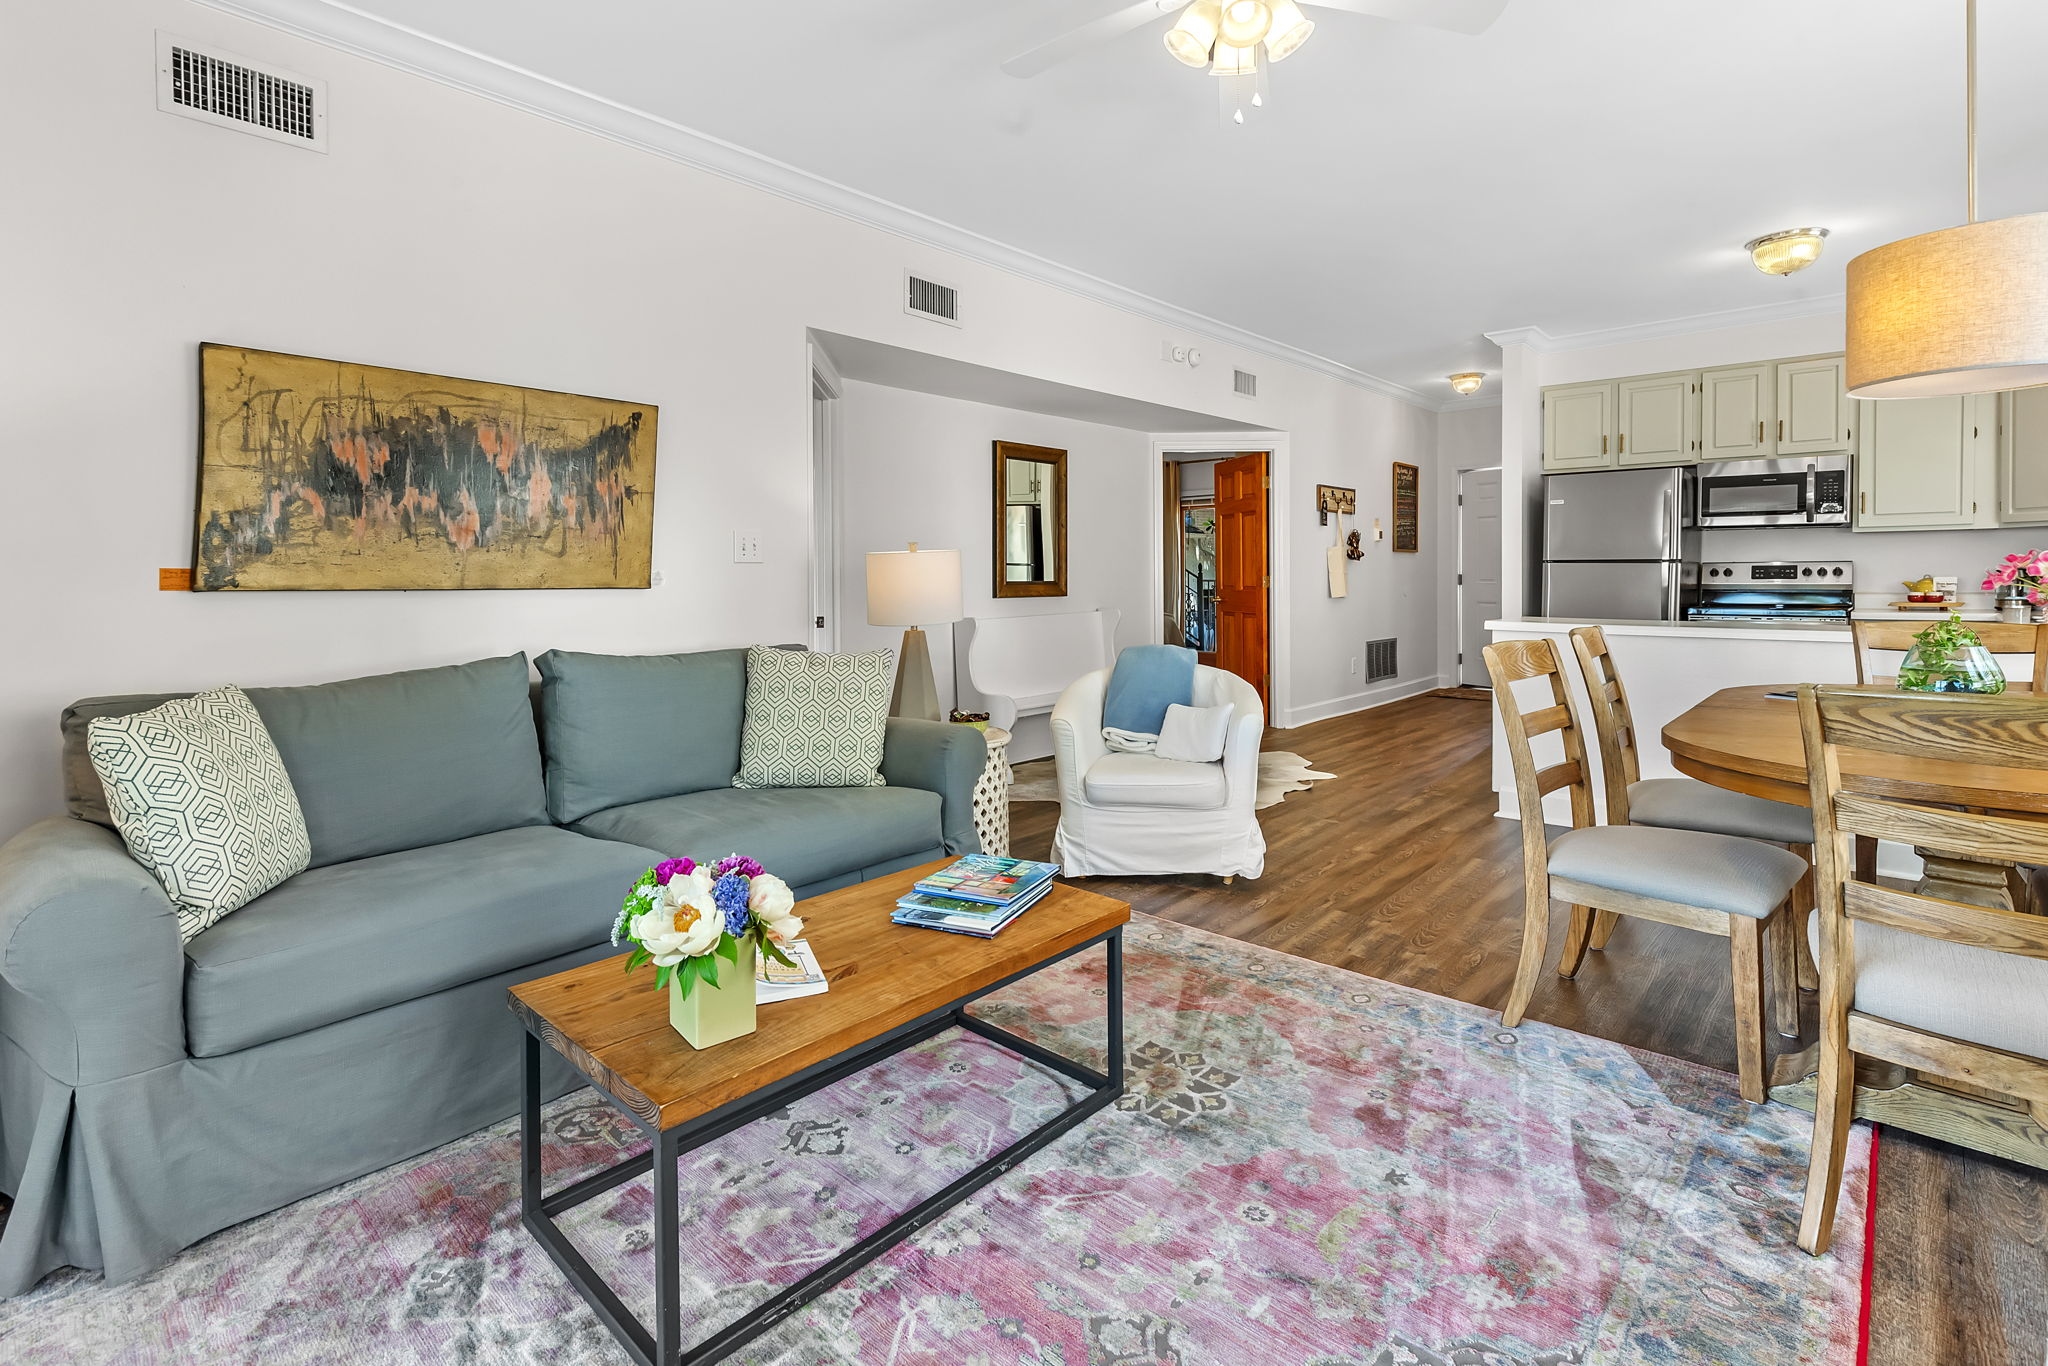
{"x":1466,"y":439}
{"x":450,"y":234}
{"x":916,"y":467}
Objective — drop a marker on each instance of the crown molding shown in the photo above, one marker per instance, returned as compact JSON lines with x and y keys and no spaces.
{"x":338,"y":25}
{"x":1536,"y":339}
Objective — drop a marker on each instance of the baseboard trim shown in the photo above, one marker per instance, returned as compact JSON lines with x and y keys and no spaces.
{"x":1360,"y":701}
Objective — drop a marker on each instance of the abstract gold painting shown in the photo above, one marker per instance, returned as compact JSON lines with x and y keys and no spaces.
{"x":321,"y":474}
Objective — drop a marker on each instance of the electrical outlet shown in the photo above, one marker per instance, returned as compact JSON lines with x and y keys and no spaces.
{"x":654,"y":579}
{"x":746,"y":547}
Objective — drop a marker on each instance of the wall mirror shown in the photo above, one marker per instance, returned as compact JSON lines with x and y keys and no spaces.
{"x":1030,"y":521}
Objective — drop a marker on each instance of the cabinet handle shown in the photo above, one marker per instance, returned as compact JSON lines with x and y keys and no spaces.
{"x":1781,"y":429}
{"x":1603,"y":443}
{"x":1759,"y":431}
{"x":1865,"y":501}
{"x":1621,"y":444}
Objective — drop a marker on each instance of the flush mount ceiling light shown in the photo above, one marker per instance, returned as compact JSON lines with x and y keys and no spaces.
{"x":1781,"y":253}
{"x":1960,"y":311}
{"x":1467,"y":382}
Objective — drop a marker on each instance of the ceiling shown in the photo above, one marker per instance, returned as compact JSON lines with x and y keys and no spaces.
{"x":1585,"y":164}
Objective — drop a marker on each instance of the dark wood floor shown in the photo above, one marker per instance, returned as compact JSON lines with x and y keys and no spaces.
{"x":1399,"y":869}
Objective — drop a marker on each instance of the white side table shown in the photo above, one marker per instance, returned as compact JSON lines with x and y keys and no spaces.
{"x":992,"y":794}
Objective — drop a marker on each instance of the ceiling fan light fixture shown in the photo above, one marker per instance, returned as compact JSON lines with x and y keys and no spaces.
{"x":1190,"y":39}
{"x":1290,"y":30}
{"x":1467,"y":383}
{"x":1781,"y":253}
{"x":1234,"y":61}
{"x":1245,"y":23}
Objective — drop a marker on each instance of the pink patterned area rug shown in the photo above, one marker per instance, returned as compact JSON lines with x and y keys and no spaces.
{"x":1311,"y":1168}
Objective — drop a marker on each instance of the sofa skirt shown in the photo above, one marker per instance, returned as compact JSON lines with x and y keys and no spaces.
{"x":119,"y":1176}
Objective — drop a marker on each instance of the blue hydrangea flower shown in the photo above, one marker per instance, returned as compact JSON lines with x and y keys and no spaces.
{"x":729,"y":894}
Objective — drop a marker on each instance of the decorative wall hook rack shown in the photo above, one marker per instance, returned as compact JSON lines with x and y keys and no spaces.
{"x":1330,"y":498}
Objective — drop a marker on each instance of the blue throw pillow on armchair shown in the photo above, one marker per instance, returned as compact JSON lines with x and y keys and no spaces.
{"x":1146,"y":681}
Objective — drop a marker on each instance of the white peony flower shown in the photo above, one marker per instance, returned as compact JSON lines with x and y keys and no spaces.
{"x":683,"y":922}
{"x":770,"y":899}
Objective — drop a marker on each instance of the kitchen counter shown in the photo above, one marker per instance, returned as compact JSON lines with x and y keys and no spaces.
{"x":1510,"y":628}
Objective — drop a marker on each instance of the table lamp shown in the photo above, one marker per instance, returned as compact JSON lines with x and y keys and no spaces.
{"x":914,"y":588}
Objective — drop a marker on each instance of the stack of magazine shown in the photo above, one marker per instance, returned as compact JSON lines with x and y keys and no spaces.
{"x":977,"y":895}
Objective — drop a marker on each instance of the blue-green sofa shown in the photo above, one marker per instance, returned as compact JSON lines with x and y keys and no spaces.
{"x":467,"y":833}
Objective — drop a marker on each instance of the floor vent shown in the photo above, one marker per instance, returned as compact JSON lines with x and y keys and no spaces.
{"x":220,"y":88}
{"x":1247,"y":383}
{"x":929,"y":299}
{"x":1382,"y":660}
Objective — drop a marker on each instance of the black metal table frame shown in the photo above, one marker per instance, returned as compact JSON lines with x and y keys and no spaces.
{"x":663,"y":1346}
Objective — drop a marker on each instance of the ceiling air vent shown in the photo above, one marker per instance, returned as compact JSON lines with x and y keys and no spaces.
{"x":1247,"y":383}
{"x":1382,"y":660}
{"x":221,"y":88}
{"x":930,"y":299}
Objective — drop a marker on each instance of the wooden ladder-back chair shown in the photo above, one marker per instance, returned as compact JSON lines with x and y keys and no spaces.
{"x":1999,"y":637}
{"x":1717,"y":884}
{"x":1954,"y":990}
{"x":1687,"y":803}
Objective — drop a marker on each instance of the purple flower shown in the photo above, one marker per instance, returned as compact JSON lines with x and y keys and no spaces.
{"x":729,"y":894}
{"x":737,"y":863}
{"x":673,"y":867}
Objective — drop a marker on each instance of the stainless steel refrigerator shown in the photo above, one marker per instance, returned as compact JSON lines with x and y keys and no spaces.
{"x":1620,"y":545}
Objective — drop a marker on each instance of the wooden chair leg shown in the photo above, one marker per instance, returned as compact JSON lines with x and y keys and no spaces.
{"x":1834,"y":1109}
{"x":1784,"y":970}
{"x":1746,"y":958}
{"x":1603,"y":928}
{"x":1804,"y":899}
{"x":1535,"y":943}
{"x":1576,"y":937}
{"x":1866,"y":858}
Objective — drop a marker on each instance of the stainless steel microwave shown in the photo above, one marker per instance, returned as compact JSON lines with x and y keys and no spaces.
{"x":1790,"y":491}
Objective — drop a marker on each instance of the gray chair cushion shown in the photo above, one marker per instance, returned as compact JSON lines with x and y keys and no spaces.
{"x":803,"y":835}
{"x":621,"y":729}
{"x":1714,"y":872}
{"x":1688,"y":804}
{"x":343,"y":940}
{"x":395,"y":761}
{"x":1978,"y":995}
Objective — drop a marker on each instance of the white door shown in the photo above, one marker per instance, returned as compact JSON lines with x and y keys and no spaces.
{"x":1735,"y":413}
{"x":824,"y":568}
{"x":2023,"y":456}
{"x":1913,"y":464}
{"x":1814,"y":412}
{"x":1659,"y":417}
{"x":1478,"y":568}
{"x":1578,"y":427}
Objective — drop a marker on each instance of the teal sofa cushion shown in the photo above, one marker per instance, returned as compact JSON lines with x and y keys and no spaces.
{"x":620,"y":729}
{"x":404,"y":760}
{"x":350,"y":938}
{"x":803,"y":835}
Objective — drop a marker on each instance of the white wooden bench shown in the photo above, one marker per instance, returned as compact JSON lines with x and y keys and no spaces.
{"x":1019,"y":666}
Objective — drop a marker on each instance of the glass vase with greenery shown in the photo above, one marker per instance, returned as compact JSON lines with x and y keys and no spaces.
{"x":1950,"y":657}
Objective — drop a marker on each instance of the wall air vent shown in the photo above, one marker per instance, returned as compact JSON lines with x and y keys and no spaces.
{"x":1247,"y":383}
{"x":1382,"y":660}
{"x":930,"y":299}
{"x":221,"y":88}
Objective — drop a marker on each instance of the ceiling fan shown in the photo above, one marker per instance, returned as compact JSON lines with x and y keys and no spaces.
{"x":1228,"y":36}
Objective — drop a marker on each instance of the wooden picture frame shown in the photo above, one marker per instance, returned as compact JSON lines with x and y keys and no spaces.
{"x":1407,"y":508}
{"x":1046,"y":534}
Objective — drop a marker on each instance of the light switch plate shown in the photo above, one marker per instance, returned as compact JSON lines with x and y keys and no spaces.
{"x":746,"y":547}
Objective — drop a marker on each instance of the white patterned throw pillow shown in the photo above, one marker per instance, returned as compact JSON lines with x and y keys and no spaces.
{"x":814,"y":720}
{"x":202,"y":799}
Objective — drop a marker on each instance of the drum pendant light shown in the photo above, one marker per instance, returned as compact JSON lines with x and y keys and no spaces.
{"x":1960,"y":311}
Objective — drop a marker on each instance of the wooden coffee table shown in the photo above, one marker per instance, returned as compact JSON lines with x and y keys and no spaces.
{"x":893,"y":987}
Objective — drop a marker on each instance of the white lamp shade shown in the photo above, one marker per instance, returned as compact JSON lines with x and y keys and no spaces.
{"x":1290,"y":30}
{"x":1190,"y":39}
{"x":913,"y":587}
{"x":1961,"y":311}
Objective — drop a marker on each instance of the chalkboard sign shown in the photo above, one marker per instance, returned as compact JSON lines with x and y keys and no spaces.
{"x":1407,"y":508}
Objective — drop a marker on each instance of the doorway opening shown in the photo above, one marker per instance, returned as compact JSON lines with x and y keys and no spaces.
{"x":1478,"y":571}
{"x":824,"y":566}
{"x":1216,"y":572}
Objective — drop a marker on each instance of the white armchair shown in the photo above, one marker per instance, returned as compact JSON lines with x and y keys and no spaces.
{"x":1138,"y":813}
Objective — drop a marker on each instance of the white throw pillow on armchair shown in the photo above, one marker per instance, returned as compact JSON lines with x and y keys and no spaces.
{"x":1195,"y":735}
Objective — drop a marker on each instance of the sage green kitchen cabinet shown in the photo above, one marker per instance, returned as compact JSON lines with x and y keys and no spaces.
{"x":1578,"y":427}
{"x":1738,"y":412}
{"x":1657,"y":419}
{"x":1816,"y":416}
{"x":2023,"y":456}
{"x":1920,"y":463}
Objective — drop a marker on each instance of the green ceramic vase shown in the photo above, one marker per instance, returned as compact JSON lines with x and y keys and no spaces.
{"x":720,"y":1014}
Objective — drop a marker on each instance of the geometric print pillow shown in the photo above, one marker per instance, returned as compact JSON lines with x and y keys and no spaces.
{"x":814,"y":720}
{"x":202,"y":800}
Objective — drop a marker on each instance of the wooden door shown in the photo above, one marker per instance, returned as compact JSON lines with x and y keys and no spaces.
{"x":1479,"y":598}
{"x":1578,"y":427}
{"x":1241,"y":573}
{"x":1658,"y":418}
{"x":1736,"y":414}
{"x":1813,"y":408}
{"x":2023,"y":456}
{"x":1913,"y":465}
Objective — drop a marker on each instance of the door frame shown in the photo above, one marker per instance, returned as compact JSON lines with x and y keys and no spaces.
{"x":1279,"y":598}
{"x":822,"y":563}
{"x":1458,"y":563}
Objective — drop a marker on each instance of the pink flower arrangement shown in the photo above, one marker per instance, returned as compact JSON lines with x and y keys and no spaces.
{"x":2028,"y":569}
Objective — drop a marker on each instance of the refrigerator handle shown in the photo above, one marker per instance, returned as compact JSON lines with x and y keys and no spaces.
{"x":1669,"y":569}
